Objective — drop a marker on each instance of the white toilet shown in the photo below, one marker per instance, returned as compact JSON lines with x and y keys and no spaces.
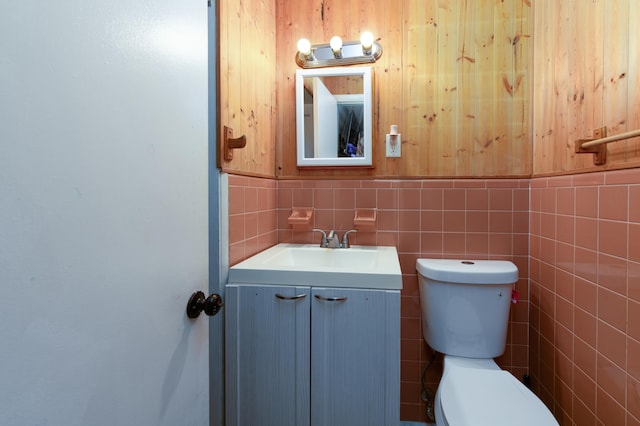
{"x":465,"y":312}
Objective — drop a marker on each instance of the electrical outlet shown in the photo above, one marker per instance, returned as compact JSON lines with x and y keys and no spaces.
{"x":394,"y":145}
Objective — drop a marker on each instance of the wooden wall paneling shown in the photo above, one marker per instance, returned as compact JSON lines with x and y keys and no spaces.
{"x":335,"y":17}
{"x":349,"y":20}
{"x":616,"y":60}
{"x":384,"y":21}
{"x":429,"y":78}
{"x":543,"y":84}
{"x":248,"y":90}
{"x":417,"y":87}
{"x":593,"y":46}
{"x":289,"y":30}
{"x":341,"y":19}
{"x":258,"y":105}
{"x":229,"y":63}
{"x":355,"y":18}
{"x":522,"y":108}
{"x":247,"y":83}
{"x":564,"y":149}
{"x":500,"y":146}
{"x":582,"y":50}
{"x":419,"y":128}
{"x":485,"y":81}
{"x":466,"y":88}
{"x":442,"y":154}
{"x":561,"y":135}
{"x":281,"y":26}
{"x":388,"y":96}
{"x":513,"y":138}
{"x":318,"y":22}
{"x":585,"y":91}
{"x":633,"y":76}
{"x":265,"y":103}
{"x":421,"y":83}
{"x":594,"y":70}
{"x":248,"y":86}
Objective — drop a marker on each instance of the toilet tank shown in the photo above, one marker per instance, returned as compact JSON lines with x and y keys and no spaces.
{"x":465,"y":305}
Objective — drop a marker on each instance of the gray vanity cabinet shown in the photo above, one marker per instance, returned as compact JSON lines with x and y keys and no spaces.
{"x":267,"y":355}
{"x":355,"y":357}
{"x":312,"y":356}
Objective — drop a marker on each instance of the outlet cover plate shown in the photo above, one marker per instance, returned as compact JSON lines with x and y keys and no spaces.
{"x":395,"y":149}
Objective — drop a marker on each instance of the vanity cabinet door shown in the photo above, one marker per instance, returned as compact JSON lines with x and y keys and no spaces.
{"x":355,"y":357}
{"x":267,"y":355}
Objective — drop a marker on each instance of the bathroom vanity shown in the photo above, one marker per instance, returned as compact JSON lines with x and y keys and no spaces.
{"x":313,"y":351}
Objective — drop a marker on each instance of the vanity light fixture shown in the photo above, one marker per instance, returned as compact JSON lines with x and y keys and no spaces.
{"x":337,"y":52}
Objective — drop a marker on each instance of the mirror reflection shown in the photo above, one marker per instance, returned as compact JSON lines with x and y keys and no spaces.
{"x":334,"y":117}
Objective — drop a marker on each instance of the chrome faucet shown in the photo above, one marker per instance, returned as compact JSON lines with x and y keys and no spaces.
{"x":332,"y":240}
{"x":345,"y":239}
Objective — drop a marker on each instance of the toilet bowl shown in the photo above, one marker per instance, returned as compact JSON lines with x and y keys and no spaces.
{"x":465,"y":310}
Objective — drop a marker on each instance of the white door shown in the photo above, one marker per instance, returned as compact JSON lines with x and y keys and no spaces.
{"x":103,"y":212}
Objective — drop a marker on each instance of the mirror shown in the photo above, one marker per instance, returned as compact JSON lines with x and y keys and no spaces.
{"x":333,"y":117}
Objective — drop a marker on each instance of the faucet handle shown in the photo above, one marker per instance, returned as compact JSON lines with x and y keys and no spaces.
{"x":323,"y":242}
{"x":345,"y":238}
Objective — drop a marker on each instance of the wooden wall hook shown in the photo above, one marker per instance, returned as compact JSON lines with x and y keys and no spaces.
{"x":231,"y":143}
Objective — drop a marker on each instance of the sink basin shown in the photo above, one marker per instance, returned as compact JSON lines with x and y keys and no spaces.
{"x":374,"y":267}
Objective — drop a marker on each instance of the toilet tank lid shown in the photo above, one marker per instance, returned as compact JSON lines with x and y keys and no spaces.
{"x":468,"y":271}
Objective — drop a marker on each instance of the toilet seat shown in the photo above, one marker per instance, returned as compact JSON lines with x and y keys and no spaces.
{"x":479,"y":397}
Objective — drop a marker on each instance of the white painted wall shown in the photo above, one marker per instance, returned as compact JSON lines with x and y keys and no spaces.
{"x":103,"y":212}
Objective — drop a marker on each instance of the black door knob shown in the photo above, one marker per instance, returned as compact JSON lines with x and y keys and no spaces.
{"x":198,"y":303}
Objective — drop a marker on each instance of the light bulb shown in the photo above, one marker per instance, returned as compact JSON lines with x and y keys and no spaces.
{"x":366,"y":39}
{"x":335,"y":43}
{"x":304,"y":46}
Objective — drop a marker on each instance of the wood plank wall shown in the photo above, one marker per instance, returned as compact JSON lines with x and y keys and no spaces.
{"x":247,"y":83}
{"x":586,"y":75}
{"x":455,"y":76}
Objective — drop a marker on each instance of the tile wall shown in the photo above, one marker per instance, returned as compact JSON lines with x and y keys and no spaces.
{"x":483,"y":219}
{"x":585,"y":296}
{"x":252,"y":216}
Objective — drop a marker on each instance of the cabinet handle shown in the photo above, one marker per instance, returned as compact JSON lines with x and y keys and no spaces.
{"x":330,"y":299}
{"x":296,"y":297}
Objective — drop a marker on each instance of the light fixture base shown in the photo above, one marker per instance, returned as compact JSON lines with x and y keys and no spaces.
{"x":352,"y":54}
